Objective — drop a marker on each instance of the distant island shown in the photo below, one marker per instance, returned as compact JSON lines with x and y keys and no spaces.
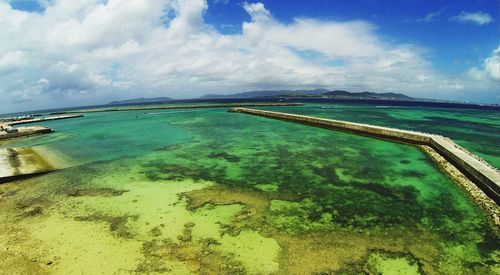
{"x":265,"y":93}
{"x":316,"y":93}
{"x":140,"y":100}
{"x":296,"y":94}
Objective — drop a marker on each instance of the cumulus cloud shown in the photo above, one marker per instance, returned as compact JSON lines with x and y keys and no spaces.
{"x":478,"y":18}
{"x":80,"y":52}
{"x":490,"y":68}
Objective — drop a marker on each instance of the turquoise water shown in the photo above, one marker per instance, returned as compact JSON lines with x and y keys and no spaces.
{"x":476,"y":130}
{"x":207,"y":191}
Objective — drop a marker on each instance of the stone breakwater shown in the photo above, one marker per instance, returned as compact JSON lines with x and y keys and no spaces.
{"x":25,"y":132}
{"x":464,"y":183}
{"x":124,"y":109}
{"x":478,"y":171}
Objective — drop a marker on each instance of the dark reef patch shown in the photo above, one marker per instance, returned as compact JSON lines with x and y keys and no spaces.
{"x":199,"y":256}
{"x":223,"y":155}
{"x":412,"y":173}
{"x":117,"y":224}
{"x":31,"y":212}
{"x":8,"y":193}
{"x":168,"y":148}
{"x":96,"y":192}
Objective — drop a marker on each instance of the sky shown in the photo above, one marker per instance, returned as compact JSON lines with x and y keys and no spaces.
{"x":61,"y":53}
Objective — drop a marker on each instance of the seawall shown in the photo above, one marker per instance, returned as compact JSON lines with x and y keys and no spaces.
{"x":481,"y":173}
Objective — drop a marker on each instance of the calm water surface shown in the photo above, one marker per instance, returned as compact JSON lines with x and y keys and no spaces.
{"x":206,"y":191}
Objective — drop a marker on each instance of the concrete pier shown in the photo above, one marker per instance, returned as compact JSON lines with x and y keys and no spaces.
{"x":481,"y":173}
{"x":42,"y":119}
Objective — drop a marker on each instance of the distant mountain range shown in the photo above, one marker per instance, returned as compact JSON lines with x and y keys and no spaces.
{"x":340,"y":93}
{"x":140,"y":100}
{"x":316,"y":93}
{"x":271,"y":93}
{"x":322,"y":93}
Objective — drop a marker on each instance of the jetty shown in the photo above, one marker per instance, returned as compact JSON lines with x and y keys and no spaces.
{"x":486,"y":177}
{"x":25,"y":132}
{"x":18,"y":163}
{"x":125,"y":109}
{"x":42,"y":119}
{"x":7,"y":132}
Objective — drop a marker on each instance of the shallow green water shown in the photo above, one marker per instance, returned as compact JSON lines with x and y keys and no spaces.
{"x":476,"y":130}
{"x":210,"y":191}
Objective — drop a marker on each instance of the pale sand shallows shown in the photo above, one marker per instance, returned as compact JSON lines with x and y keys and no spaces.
{"x":53,"y":157}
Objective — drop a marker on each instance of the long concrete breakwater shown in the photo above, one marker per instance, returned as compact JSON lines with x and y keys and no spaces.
{"x":125,"y":109}
{"x":26,"y":121}
{"x":481,"y":173}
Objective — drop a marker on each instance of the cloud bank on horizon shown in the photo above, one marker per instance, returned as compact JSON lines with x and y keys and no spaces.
{"x":79,"y":52}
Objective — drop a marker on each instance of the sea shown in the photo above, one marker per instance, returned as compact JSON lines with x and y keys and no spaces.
{"x":208,"y":191}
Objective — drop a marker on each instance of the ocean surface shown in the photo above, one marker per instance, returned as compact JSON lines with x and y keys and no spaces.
{"x":207,"y":191}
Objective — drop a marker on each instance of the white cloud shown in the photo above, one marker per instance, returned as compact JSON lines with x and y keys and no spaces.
{"x":430,"y":17}
{"x":478,"y":18}
{"x":90,"y":51}
{"x":490,"y":69}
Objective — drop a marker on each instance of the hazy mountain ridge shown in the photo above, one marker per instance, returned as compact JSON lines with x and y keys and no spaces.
{"x":311,"y":93}
{"x":264,"y":93}
{"x":140,"y":100}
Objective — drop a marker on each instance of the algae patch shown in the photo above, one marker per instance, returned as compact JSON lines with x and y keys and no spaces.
{"x":391,"y":264}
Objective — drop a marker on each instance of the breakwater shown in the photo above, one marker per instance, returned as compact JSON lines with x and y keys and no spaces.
{"x":481,"y":173}
{"x":124,"y":109}
{"x":25,"y":132}
{"x":26,"y":121}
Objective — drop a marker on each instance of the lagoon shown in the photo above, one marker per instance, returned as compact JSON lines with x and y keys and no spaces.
{"x":205,"y":191}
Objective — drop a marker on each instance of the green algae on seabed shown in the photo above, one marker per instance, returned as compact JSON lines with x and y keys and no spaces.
{"x":476,"y":130}
{"x":383,"y":263}
{"x":191,"y":192}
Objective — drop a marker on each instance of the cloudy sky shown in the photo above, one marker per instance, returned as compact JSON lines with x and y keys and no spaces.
{"x":58,"y":53}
